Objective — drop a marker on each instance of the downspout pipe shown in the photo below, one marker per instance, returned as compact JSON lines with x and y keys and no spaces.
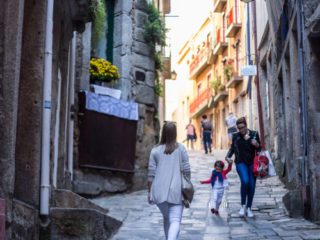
{"x":261,"y":124}
{"x":301,"y":38}
{"x":46,"y":114}
{"x":71,"y":105}
{"x":249,"y":62}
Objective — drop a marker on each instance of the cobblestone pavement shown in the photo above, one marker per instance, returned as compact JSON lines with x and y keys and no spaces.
{"x":142,"y":221}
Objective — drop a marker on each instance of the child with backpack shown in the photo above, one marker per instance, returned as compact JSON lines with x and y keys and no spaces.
{"x":218,"y":182}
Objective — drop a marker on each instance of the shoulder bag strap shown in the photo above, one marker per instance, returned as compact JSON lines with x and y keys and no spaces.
{"x":180,"y":161}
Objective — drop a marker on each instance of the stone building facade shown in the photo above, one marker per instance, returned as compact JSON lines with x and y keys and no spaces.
{"x":22,"y":52}
{"x":135,"y":61}
{"x":289,"y":69}
{"x":214,"y":55}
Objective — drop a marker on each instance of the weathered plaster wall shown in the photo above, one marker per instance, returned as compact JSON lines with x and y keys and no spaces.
{"x":312,"y":35}
{"x":28,"y":141}
{"x":11,"y":22}
{"x":285,"y":124}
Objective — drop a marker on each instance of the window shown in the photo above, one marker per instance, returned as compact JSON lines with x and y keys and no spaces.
{"x":208,"y":80}
{"x":199,"y":89}
{"x":208,"y":40}
{"x":102,"y":31}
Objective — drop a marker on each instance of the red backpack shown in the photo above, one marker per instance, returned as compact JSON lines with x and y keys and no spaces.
{"x":260,"y":166}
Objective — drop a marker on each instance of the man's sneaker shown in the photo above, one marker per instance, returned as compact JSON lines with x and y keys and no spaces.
{"x":249,"y":213}
{"x":242,"y":211}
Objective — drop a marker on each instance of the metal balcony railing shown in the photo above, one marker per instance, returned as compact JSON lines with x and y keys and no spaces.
{"x":201,"y":100}
{"x":199,"y":60}
{"x":220,"y":36}
{"x":218,"y":5}
{"x":235,"y":77}
{"x":233,"y":15}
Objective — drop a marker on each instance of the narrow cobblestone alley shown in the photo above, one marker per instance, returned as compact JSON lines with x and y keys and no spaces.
{"x":144,"y":221}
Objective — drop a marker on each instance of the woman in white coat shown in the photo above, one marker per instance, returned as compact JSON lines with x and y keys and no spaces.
{"x":164,"y":179}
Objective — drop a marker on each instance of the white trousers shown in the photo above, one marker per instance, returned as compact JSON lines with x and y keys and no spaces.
{"x":172,"y":214}
{"x":216,"y":197}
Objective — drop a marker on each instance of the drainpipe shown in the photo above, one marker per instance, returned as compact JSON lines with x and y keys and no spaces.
{"x":56,"y":134}
{"x":301,"y":38}
{"x":249,"y":62}
{"x":71,"y":105}
{"x":2,"y":219}
{"x":46,"y":114}
{"x":304,"y":161}
{"x":261,"y":125}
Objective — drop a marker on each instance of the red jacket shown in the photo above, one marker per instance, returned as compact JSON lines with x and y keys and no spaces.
{"x":224,"y":174}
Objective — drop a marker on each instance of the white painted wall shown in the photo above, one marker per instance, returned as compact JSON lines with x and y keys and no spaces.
{"x":262,"y":18}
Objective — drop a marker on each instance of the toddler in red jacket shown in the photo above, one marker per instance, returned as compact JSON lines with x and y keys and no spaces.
{"x":218,"y":182}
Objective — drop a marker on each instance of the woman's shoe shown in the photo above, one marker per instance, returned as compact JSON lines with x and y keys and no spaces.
{"x":242,"y":211}
{"x":214,"y":211}
{"x":249,"y":213}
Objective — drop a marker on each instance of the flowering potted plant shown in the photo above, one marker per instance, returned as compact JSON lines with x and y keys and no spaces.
{"x":228,"y":71}
{"x":102,"y":70}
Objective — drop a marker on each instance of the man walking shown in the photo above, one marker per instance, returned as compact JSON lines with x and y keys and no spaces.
{"x":206,"y":133}
{"x":231,"y":127}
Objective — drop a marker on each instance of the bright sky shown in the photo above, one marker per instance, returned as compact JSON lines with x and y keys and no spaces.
{"x":192,"y":13}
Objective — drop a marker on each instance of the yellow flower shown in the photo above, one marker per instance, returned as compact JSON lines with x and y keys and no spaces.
{"x":103,"y":70}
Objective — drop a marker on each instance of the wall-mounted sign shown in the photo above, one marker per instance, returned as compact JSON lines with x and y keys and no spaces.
{"x":249,"y":70}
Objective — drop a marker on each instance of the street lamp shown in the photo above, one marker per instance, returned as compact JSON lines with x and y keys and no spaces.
{"x":173,"y":75}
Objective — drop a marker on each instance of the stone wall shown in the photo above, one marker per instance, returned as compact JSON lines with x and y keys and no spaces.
{"x":312,"y":39}
{"x":135,"y":62}
{"x":283,"y":125}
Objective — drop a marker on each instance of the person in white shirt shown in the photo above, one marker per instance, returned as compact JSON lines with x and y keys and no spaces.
{"x":231,"y":126}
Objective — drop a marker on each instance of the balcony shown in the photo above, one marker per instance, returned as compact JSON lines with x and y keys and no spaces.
{"x":234,"y":81}
{"x":200,"y":62}
{"x":212,"y":57}
{"x":221,"y":43}
{"x":201,"y":102}
{"x":220,"y":97}
{"x":218,"y":5}
{"x":234,"y":78}
{"x":233,"y":22}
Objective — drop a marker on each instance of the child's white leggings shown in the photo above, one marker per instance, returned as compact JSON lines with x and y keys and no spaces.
{"x":216,"y":197}
{"x":172,"y":214}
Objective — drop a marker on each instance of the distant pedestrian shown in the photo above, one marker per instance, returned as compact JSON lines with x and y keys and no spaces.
{"x":231,"y":127}
{"x":244,"y":144}
{"x":164,"y":179}
{"x":218,"y":182}
{"x":191,"y":134}
{"x":206,"y":133}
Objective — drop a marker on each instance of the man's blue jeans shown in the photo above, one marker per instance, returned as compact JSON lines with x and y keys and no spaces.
{"x":207,"y":140}
{"x":248,"y":183}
